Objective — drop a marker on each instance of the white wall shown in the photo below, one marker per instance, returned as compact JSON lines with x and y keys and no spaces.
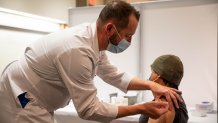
{"x":13,"y":42}
{"x":187,"y":29}
{"x":57,"y":9}
{"x":18,"y":30}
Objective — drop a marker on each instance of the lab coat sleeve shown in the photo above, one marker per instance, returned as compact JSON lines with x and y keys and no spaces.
{"x":110,"y":74}
{"x":76,"y":68}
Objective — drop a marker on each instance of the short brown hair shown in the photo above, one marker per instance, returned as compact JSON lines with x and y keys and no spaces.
{"x":118,"y":11}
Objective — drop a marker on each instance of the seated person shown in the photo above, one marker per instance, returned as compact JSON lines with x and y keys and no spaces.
{"x":167,"y":70}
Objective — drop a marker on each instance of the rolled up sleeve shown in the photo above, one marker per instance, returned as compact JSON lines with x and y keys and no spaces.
{"x":76,"y":68}
{"x":112,"y":75}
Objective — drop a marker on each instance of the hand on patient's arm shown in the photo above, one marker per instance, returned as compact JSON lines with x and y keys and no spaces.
{"x":168,"y":117}
{"x":171,"y":94}
{"x":158,"y":90}
{"x":153,"y":109}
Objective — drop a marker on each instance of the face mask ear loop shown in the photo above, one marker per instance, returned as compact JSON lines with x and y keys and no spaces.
{"x":117,"y":32}
{"x":156,"y":78}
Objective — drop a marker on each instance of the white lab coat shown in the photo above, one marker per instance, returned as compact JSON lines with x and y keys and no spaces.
{"x":56,"y":68}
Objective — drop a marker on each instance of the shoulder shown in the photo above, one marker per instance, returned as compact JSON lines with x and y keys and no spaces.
{"x":168,"y":117}
{"x":181,"y":114}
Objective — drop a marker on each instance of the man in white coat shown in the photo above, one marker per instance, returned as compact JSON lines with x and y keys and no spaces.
{"x":61,"y":66}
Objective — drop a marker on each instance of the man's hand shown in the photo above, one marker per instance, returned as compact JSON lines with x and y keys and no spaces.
{"x":155,"y":109}
{"x":170,"y":94}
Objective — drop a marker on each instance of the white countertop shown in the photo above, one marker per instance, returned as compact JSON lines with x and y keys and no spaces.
{"x":69,"y":114}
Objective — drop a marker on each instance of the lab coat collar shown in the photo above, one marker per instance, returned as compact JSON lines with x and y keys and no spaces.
{"x":95,"y":46}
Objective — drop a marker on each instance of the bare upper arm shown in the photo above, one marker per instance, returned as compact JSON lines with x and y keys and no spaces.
{"x":165,"y":118}
{"x":168,"y":117}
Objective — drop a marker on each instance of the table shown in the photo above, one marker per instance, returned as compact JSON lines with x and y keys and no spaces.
{"x":69,"y":115}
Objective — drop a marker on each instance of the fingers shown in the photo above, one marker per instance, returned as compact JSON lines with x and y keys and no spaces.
{"x":168,"y":98}
{"x":162,"y":107}
{"x":174,"y":99}
{"x":171,"y":95}
{"x":157,"y":108}
{"x":174,"y":91}
{"x":177,"y":91}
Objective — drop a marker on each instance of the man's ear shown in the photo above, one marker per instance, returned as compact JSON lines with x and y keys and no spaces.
{"x":109,"y":29}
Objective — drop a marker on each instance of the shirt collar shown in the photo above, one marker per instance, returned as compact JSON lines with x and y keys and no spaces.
{"x":95,"y":46}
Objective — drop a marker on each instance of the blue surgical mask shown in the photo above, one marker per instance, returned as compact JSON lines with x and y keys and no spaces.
{"x":122,"y":45}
